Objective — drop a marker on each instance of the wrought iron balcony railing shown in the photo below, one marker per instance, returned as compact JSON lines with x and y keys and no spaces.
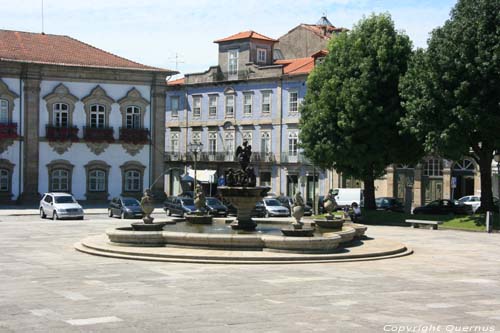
{"x":298,"y":157}
{"x":134,"y":135}
{"x":8,"y":130}
{"x":56,"y":133}
{"x":101,"y":134}
{"x":257,"y":157}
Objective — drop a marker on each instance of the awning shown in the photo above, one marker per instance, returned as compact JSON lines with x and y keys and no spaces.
{"x":202,"y":176}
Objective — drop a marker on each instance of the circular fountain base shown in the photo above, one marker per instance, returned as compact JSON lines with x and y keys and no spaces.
{"x":141,"y":226}
{"x":198,"y":219}
{"x":329,"y":223}
{"x":303,"y":232}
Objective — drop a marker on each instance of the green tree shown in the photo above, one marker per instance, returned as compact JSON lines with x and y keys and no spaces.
{"x":352,"y":106}
{"x":452,"y":90}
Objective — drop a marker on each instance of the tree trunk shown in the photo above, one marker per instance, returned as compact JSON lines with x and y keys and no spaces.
{"x":369,"y":192}
{"x":486,"y":190}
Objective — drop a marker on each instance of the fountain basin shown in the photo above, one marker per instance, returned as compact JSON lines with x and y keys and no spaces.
{"x":198,"y":219}
{"x":141,"y":226}
{"x":329,"y":224}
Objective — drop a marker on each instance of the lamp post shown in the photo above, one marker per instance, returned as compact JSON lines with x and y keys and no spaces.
{"x":496,"y":157}
{"x":195,"y":148}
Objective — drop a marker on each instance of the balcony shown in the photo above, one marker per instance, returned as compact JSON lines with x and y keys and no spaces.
{"x":8,"y":130}
{"x":298,"y":157}
{"x":55,"y":133}
{"x":134,"y":135}
{"x":102,"y":134}
{"x":173,"y":156}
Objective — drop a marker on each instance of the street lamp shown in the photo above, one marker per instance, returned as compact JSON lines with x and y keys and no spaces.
{"x":496,"y":157}
{"x":195,"y":148}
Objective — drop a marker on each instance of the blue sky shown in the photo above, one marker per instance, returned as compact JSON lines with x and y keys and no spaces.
{"x":153,"y":31}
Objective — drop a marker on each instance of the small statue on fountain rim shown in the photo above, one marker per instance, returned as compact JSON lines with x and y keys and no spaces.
{"x":298,"y":210}
{"x":199,"y":200}
{"x":330,"y":204}
{"x":147,"y":206}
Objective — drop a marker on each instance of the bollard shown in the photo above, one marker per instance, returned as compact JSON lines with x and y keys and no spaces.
{"x":489,"y":223}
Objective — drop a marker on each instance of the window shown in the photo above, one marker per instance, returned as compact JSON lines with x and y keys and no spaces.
{"x":4,"y":111}
{"x":196,"y":137}
{"x":266,"y":101}
{"x":261,"y":55}
{"x":247,"y":136}
{"x":293,"y":99}
{"x":97,"y":116}
{"x":433,"y":167}
{"x":265,"y":179}
{"x":174,"y":106}
{"x":212,"y":105}
{"x":60,"y":180}
{"x":232,"y":64}
{"x":174,"y":142}
{"x":133,"y":117}
{"x":229,"y":105}
{"x":265,"y":142}
{"x":229,"y":142}
{"x":132,"y":181}
{"x":61,"y":115}
{"x":212,"y":142}
{"x":247,"y":104}
{"x":4,"y":180}
{"x":293,"y":143}
{"x":97,"y":181}
{"x":196,"y":106}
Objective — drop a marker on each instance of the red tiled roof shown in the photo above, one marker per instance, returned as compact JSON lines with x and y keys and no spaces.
{"x":245,"y":35}
{"x":296,"y":66}
{"x":60,"y":50}
{"x":178,"y":82}
{"x":320,"y":53}
{"x":324,"y":31}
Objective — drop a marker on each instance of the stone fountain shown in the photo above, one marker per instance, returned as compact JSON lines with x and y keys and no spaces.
{"x":241,"y":190}
{"x":298,"y":226}
{"x":330,"y":222}
{"x":200,"y":216}
{"x":148,"y":208}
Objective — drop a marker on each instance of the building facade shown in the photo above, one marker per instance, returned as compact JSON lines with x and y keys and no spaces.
{"x":79,"y":120}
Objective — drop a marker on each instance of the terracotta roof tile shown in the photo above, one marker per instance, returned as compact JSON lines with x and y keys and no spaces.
{"x":324,"y":31}
{"x":296,"y":66}
{"x":60,"y":50}
{"x":178,"y":82}
{"x":245,"y":35}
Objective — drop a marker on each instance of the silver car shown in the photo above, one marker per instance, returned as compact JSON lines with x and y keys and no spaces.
{"x":60,"y":205}
{"x":275,"y":208}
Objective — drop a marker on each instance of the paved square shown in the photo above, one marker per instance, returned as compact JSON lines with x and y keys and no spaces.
{"x":452,"y":281}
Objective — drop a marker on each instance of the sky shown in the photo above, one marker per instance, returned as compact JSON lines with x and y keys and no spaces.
{"x":153,"y":32}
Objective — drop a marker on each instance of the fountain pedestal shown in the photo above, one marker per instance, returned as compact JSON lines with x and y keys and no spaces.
{"x":244,"y":199}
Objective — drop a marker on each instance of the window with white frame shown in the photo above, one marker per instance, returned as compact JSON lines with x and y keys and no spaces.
{"x":293,"y":141}
{"x":133,"y":117}
{"x":196,"y":137}
{"x":4,"y":111}
{"x":212,"y":142}
{"x":61,"y":115}
{"x":60,"y":180}
{"x":229,"y":142}
{"x":433,"y":167}
{"x":293,"y":101}
{"x":4,"y":180}
{"x":247,"y":104}
{"x":97,"y":116}
{"x":132,"y":181}
{"x":97,"y":181}
{"x":212,"y":105}
{"x":265,"y":142}
{"x":229,"y":105}
{"x":247,"y":136}
{"x":261,"y":55}
{"x":174,"y":106}
{"x":266,"y":101}
{"x":174,"y":142}
{"x":196,"y":106}
{"x":232,"y":63}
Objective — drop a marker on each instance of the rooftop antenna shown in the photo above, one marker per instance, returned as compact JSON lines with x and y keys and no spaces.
{"x":177,"y":60}
{"x":43,"y":28}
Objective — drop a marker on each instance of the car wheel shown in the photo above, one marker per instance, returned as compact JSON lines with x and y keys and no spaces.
{"x":122,"y":215}
{"x":110,"y":213}
{"x":42,"y":213}
{"x":54,"y":216}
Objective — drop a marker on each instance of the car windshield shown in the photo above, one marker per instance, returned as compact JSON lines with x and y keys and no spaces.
{"x":464,"y":199}
{"x":213,"y":201}
{"x":188,"y":202}
{"x":272,"y":202}
{"x":65,"y":199}
{"x":130,"y":202}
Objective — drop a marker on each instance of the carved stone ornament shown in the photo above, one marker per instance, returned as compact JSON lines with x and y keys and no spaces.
{"x":60,"y":147}
{"x":132,"y":149}
{"x":5,"y":144}
{"x":97,"y":147}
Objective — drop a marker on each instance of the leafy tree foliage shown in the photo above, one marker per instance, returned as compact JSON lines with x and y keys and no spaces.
{"x":352,"y":106}
{"x":452,"y":90}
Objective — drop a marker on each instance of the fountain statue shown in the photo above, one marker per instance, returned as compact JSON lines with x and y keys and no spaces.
{"x":241,"y":189}
{"x":298,"y":226}
{"x":147,"y":206}
{"x":330,"y":222}
{"x":200,"y":214}
{"x":330,"y":204}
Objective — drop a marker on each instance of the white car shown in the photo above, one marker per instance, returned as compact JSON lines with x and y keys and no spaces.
{"x":275,"y":208}
{"x":471,"y":200}
{"x":60,"y":205}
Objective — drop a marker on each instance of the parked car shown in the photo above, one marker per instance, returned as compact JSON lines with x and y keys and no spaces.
{"x":187,"y":194}
{"x":259,"y":210}
{"x":472,"y":200}
{"x":216,"y":207}
{"x":443,"y":207}
{"x":275,"y":208}
{"x":390,"y":204}
{"x":288,"y":203}
{"x":59,"y":205}
{"x":125,"y":207}
{"x":178,"y":206}
{"x":345,"y":197}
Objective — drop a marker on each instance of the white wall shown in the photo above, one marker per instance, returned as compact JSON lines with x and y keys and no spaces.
{"x":12,"y":155}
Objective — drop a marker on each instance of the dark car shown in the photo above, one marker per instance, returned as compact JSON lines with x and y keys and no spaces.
{"x":390,"y":204}
{"x":125,"y":208}
{"x":215,"y":207}
{"x":288,"y":203}
{"x":178,"y":206}
{"x":259,"y":210}
{"x":443,"y":207}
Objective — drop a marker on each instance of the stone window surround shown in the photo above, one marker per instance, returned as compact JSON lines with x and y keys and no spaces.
{"x":60,"y":165}
{"x":199,"y":98}
{"x":212,"y":135}
{"x":293,"y":135}
{"x":261,"y":51}
{"x":133,"y":98}
{"x":262,"y":92}
{"x":290,"y":92}
{"x":60,"y":94}
{"x":7,"y":165}
{"x":9,"y":96}
{"x":229,"y":92}
{"x":132,"y":166}
{"x":174,"y":112}
{"x":97,"y":96}
{"x":97,"y":165}
{"x":245,"y":94}
{"x":216,"y":96}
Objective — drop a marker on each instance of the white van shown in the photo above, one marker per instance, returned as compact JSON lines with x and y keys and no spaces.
{"x":346,"y":196}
